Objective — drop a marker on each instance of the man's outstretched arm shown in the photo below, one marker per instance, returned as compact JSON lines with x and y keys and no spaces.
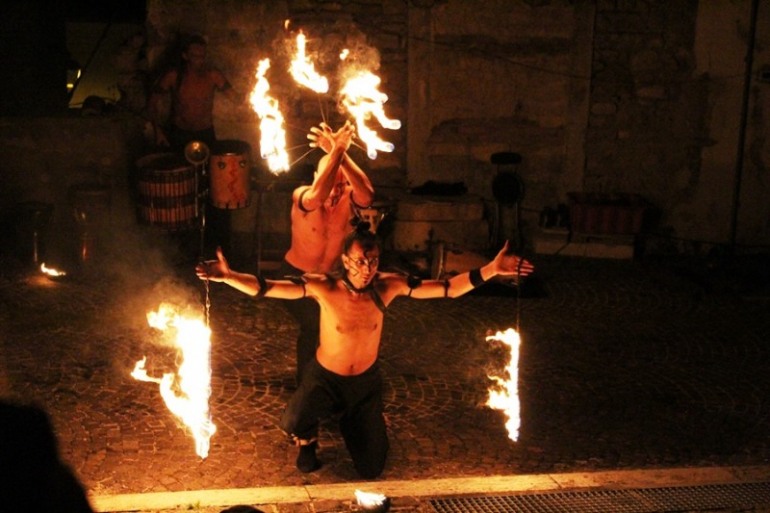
{"x":504,"y":264}
{"x":219,"y":271}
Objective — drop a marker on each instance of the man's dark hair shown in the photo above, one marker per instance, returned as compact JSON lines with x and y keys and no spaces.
{"x":365,"y":238}
{"x":195,"y":39}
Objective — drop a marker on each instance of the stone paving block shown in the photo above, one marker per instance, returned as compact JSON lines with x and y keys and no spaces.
{"x":624,"y":364}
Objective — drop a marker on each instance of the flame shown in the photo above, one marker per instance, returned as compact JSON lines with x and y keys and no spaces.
{"x":272,"y":142}
{"x":362,"y":99}
{"x":50,"y":271}
{"x":185,"y":392}
{"x":303,"y":70}
{"x":504,"y":394}
{"x":344,"y":54}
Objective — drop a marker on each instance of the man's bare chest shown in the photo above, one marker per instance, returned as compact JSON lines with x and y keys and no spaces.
{"x":196,"y":84}
{"x":355,"y":314}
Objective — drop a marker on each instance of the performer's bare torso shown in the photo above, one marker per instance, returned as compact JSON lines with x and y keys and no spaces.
{"x":351,"y":328}
{"x":317,"y":236}
{"x":194,"y":101}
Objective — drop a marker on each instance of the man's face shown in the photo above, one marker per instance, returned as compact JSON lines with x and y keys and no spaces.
{"x":361,"y":266}
{"x":195,"y":55}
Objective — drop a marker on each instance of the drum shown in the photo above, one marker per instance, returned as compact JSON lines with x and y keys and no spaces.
{"x":229,"y":168}
{"x":90,"y":204}
{"x":91,"y":207}
{"x":166,"y":187}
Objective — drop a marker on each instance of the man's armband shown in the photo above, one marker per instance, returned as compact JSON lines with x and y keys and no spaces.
{"x":299,"y":202}
{"x":299,"y":280}
{"x":262,"y":286}
{"x":359,"y":207}
{"x":475,"y":276}
{"x":413,"y":282}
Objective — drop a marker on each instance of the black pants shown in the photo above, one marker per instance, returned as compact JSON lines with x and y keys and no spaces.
{"x":358,"y":399}
{"x":307,"y":313}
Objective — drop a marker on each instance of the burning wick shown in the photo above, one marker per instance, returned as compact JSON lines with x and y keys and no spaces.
{"x":303,"y":70}
{"x":504,"y":394}
{"x":372,"y":501}
{"x":272,"y":142}
{"x":187,"y":391}
{"x":53,"y":273}
{"x":362,"y":99}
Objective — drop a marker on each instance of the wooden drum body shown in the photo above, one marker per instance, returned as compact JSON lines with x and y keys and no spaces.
{"x":167,"y":191}
{"x":229,"y":169}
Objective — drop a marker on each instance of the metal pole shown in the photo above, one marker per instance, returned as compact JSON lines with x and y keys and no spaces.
{"x":742,"y":131}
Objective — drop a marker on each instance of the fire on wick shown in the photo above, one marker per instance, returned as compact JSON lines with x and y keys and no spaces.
{"x":504,"y":393}
{"x":186,"y":392}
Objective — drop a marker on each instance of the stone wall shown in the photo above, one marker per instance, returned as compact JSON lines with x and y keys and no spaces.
{"x":511,"y":76}
{"x":665,"y":116}
{"x":46,"y":159}
{"x":602,"y":97}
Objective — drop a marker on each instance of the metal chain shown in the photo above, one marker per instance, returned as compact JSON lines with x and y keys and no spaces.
{"x":208,"y":301}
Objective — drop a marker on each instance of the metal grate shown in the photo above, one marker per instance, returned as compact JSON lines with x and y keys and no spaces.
{"x":637,"y":500}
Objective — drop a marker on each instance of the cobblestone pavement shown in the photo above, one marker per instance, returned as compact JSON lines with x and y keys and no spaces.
{"x":623,"y":365}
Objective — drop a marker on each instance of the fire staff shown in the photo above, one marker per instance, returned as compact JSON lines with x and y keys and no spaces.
{"x":344,"y":377}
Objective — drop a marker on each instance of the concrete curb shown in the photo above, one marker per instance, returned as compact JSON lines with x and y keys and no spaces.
{"x":440,"y":487}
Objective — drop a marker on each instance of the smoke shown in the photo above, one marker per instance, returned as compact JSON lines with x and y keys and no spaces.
{"x":146,"y":269}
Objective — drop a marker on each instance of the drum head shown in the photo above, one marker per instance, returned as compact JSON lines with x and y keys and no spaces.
{"x":162,"y":161}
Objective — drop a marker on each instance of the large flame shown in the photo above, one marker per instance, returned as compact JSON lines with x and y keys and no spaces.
{"x":272,"y":142}
{"x":304,"y":72}
{"x":504,"y":394}
{"x":185,"y":392}
{"x":362,"y":99}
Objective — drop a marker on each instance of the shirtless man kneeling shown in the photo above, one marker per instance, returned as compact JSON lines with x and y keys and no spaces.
{"x":344,"y":378}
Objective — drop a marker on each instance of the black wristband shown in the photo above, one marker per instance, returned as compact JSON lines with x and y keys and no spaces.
{"x":475,"y":276}
{"x":262,"y":286}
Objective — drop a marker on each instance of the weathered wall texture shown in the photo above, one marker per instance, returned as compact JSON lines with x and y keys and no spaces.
{"x":643,"y":97}
{"x":508,"y":77}
{"x":732,"y":184}
{"x":609,"y":97}
{"x":665,"y":115}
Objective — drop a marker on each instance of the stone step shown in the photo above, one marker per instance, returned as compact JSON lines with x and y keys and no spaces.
{"x":418,"y":235}
{"x":561,"y":242}
{"x":432,"y":208}
{"x":421,"y":221}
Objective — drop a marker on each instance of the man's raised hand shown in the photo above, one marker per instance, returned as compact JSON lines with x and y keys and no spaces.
{"x":507,"y":263}
{"x":214,"y":270}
